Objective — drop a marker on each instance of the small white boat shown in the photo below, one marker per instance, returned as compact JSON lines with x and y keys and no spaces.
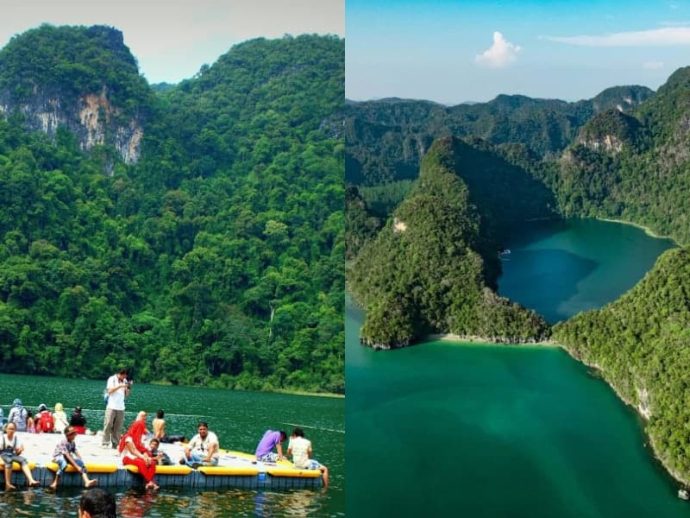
{"x":683,"y":494}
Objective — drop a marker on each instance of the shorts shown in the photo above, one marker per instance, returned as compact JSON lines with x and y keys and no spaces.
{"x":269,"y":457}
{"x":62,"y":464}
{"x":312,"y":465}
{"x":9,"y":458}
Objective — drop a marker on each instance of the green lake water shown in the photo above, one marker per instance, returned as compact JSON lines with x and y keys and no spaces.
{"x":239,"y":419}
{"x":560,"y":268}
{"x":445,"y":429}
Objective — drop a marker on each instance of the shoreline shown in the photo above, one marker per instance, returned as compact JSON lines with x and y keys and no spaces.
{"x":480,"y":340}
{"x":650,"y":441}
{"x":648,"y":231}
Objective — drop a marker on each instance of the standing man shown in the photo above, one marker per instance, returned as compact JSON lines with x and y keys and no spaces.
{"x":117,"y":390}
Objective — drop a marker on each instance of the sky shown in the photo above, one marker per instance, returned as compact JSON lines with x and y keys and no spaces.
{"x":172,"y":39}
{"x":454,"y":51}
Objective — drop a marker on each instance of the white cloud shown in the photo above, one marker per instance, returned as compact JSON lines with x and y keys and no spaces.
{"x":653,"y":65}
{"x":500,"y":54}
{"x":666,"y":36}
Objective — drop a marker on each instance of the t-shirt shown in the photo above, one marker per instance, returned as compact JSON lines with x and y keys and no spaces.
{"x":65,"y":446}
{"x":299,"y":446}
{"x":116,"y":400}
{"x":202,"y":445}
{"x":8,"y":445}
{"x":268,"y":441}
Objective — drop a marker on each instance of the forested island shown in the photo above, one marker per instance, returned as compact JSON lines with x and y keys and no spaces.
{"x":621,"y":156}
{"x":193,"y":233}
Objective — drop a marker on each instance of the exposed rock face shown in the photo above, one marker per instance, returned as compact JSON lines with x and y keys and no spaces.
{"x":610,"y":132}
{"x":607,"y":143}
{"x":93,"y":119}
{"x":83,"y":79}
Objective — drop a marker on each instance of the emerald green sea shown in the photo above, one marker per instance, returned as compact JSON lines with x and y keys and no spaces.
{"x":443,"y":429}
{"x":239,"y":419}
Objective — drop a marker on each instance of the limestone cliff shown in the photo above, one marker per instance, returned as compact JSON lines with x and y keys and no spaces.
{"x":82,"y":79}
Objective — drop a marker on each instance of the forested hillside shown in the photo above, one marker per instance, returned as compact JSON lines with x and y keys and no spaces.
{"x":431,"y":268}
{"x":641,"y":344}
{"x":216,"y":258}
{"x":386,"y":139}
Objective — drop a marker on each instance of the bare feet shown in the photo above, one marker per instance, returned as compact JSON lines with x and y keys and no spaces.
{"x":53,"y":486}
{"x":34,"y":483}
{"x":91,"y":483}
{"x":10,"y":487}
{"x":153,"y":486}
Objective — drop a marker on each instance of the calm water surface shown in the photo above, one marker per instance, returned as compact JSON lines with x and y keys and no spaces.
{"x":239,"y":419}
{"x":445,"y":429}
{"x":560,"y":268}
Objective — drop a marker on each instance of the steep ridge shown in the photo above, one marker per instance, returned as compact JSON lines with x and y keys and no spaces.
{"x":431,"y":267}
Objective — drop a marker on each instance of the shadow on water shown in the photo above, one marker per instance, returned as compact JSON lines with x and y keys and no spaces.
{"x":543,"y":280}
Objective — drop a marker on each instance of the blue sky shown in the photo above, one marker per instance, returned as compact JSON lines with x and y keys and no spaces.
{"x":453,"y":51}
{"x":173,"y":38}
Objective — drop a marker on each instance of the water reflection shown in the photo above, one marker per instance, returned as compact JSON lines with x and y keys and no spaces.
{"x":135,"y":504}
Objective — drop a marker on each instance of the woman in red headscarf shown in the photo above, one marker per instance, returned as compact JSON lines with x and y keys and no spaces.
{"x":135,"y":453}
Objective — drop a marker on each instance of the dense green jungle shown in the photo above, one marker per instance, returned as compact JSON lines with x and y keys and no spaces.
{"x":193,"y":233}
{"x":433,"y":192}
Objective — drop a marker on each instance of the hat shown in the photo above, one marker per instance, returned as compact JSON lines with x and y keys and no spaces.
{"x":42,"y":407}
{"x":17,"y":402}
{"x":77,"y":409}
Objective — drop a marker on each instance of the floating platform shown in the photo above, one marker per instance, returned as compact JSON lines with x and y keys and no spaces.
{"x":234,"y":470}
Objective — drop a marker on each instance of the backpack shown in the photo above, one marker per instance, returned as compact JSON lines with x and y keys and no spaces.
{"x":45,"y":422}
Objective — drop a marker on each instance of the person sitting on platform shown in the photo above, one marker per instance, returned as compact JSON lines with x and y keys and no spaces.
{"x":66,"y":454}
{"x":78,"y":421}
{"x":59,"y":418}
{"x":300,"y":449}
{"x":161,"y":457}
{"x":134,"y":452}
{"x":203,"y":448}
{"x":44,"y":420}
{"x":97,"y":503}
{"x":18,"y":415}
{"x":159,"y":425}
{"x":10,"y":451}
{"x":271,"y":439}
{"x":30,"y":422}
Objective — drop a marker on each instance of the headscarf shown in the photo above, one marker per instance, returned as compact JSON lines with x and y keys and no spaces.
{"x":136,"y":431}
{"x":58,"y":407}
{"x":17,"y":402}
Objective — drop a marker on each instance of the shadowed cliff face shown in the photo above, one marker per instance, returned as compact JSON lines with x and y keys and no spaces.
{"x":82,"y":79}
